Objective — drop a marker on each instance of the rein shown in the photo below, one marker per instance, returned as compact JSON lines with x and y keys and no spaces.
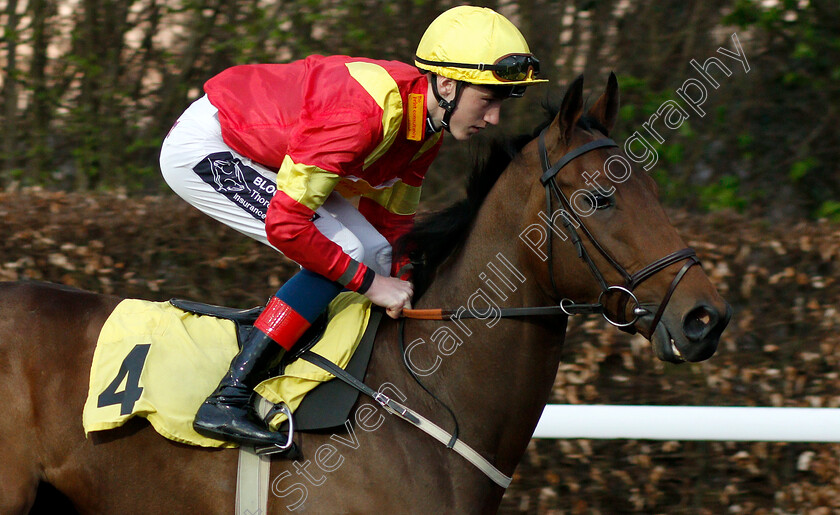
{"x":560,"y":309}
{"x":571,"y":221}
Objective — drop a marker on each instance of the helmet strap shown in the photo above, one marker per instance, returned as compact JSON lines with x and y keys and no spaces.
{"x":448,"y":106}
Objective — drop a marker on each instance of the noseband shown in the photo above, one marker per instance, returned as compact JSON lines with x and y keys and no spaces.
{"x":571,"y":221}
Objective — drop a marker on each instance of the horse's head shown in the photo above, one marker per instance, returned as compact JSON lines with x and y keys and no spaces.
{"x":605,"y":236}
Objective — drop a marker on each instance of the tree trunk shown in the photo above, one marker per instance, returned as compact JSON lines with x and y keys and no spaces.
{"x":40,"y":108}
{"x":10,"y":93}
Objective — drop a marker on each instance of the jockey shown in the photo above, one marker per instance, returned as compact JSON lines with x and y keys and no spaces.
{"x":275,"y":150}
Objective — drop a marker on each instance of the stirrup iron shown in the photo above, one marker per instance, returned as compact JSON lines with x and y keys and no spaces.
{"x":267,"y":450}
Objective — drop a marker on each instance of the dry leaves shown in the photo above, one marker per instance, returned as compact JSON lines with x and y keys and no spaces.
{"x":782,"y":347}
{"x":135,"y":247}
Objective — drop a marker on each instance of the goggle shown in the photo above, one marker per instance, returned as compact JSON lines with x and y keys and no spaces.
{"x":508,"y":68}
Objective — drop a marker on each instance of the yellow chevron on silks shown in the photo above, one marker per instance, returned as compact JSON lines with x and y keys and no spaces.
{"x":156,"y":361}
{"x":429,"y":143}
{"x":305,"y":184}
{"x":400,"y":199}
{"x":385,"y":92}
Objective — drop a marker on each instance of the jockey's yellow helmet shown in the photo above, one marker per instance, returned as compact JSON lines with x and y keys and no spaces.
{"x":479,"y":46}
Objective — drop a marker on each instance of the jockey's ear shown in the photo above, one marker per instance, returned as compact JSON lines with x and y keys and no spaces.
{"x":446,"y":86}
{"x":605,"y":110}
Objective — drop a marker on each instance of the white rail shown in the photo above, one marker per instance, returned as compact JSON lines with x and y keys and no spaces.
{"x":690,"y":423}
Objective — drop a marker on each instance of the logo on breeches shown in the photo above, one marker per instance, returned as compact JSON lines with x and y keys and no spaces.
{"x":238,"y":182}
{"x":228,"y":176}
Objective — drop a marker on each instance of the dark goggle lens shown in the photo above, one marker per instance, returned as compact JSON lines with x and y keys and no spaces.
{"x":515,"y":67}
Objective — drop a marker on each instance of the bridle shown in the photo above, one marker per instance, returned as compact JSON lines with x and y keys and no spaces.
{"x":571,"y":221}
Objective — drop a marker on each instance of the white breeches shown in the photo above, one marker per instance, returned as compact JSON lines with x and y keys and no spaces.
{"x":204,"y":171}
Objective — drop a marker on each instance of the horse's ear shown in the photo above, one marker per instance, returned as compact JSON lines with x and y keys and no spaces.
{"x":571,"y":109}
{"x":605,"y":110}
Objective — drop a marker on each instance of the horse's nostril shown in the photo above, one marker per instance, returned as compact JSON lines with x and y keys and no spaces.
{"x":699,"y":322}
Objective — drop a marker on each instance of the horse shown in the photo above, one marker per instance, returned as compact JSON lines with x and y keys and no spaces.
{"x":513,"y":242}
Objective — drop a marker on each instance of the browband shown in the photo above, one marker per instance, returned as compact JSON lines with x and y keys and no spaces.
{"x":592,"y":145}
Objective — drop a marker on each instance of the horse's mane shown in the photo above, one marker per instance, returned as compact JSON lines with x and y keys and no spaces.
{"x":438,"y":235}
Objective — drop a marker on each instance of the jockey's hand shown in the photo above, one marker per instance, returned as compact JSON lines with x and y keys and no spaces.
{"x":391,"y":293}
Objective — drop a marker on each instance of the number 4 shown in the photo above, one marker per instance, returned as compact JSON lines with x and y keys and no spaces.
{"x":131,"y":366}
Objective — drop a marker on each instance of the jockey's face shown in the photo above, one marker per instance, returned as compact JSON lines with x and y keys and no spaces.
{"x":478,"y":107}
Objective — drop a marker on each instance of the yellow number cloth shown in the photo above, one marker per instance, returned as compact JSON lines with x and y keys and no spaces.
{"x":187,"y":356}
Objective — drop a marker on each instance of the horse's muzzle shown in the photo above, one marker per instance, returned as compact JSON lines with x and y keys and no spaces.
{"x":696,"y":339}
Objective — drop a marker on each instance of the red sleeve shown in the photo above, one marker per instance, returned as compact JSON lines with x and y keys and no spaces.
{"x":322,"y":144}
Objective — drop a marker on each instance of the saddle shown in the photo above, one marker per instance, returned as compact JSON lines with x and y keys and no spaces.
{"x":326,"y":407}
{"x":160,"y":360}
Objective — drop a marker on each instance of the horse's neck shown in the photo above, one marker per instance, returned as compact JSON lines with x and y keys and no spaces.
{"x":499,"y":377}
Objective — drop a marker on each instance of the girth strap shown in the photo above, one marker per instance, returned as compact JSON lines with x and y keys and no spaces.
{"x":417,"y":420}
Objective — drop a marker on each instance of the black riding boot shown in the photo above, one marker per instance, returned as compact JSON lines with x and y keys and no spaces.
{"x":228,"y":414}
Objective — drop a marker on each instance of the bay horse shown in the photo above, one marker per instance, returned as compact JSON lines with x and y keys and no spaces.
{"x":495,"y":374}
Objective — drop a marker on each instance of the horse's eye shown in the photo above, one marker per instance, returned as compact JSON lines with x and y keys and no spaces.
{"x":600,"y":201}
